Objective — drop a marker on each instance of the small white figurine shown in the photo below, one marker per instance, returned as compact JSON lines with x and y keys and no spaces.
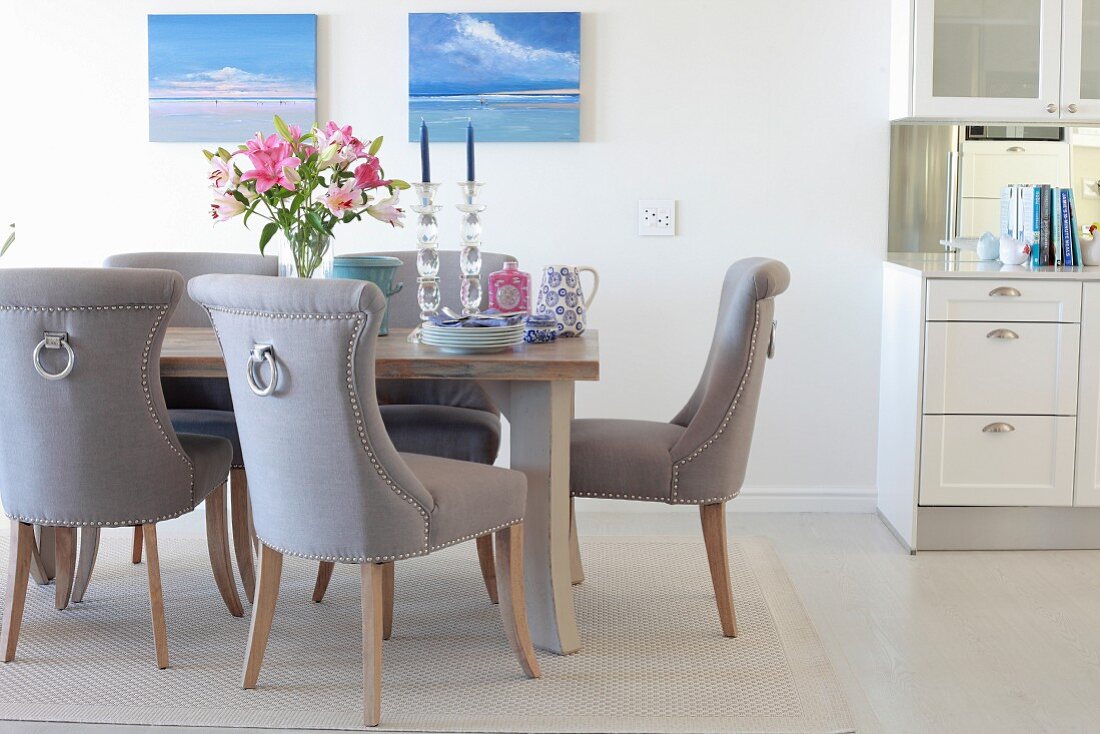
{"x":1013,"y":251}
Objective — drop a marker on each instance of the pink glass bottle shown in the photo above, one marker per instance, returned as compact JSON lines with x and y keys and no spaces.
{"x":509,"y":289}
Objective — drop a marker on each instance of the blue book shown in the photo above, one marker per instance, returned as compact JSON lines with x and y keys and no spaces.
{"x":1075,"y":230}
{"x":1066,"y":231}
{"x":1036,"y":193}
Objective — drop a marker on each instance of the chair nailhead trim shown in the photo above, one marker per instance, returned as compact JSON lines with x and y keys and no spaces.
{"x":108,"y":524}
{"x":279,"y":315}
{"x":162,"y":309}
{"x":722,"y":426}
{"x":673,"y":499}
{"x":387,"y":559}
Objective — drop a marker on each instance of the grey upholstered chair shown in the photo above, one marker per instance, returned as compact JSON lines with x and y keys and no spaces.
{"x":326,"y":481}
{"x":698,"y":458}
{"x":85,"y":440}
{"x":452,"y":419}
{"x":202,"y":404}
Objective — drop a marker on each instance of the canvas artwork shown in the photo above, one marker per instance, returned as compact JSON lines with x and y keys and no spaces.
{"x":516,"y":76}
{"x":217,"y":78}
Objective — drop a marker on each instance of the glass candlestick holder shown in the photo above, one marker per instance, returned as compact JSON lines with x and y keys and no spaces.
{"x":469,"y":261}
{"x":428,"y":295}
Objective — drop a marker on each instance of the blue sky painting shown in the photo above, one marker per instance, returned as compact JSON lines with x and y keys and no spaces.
{"x":515,"y":75}
{"x":221,"y":78}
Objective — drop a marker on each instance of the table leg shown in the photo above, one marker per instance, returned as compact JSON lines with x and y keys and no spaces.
{"x":539,"y":414}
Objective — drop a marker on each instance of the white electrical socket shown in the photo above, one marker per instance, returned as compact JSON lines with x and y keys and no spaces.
{"x":657,"y":217}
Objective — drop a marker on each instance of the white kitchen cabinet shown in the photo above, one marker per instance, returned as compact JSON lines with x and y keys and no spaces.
{"x":1088,"y":403}
{"x":989,"y":404}
{"x":995,"y":60}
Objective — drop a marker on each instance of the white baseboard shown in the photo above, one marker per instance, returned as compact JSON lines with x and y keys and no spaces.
{"x":759,"y":499}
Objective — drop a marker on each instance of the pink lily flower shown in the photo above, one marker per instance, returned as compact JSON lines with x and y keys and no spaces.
{"x":259,"y":144}
{"x":339,"y":200}
{"x":369,"y":174}
{"x":222,"y":176}
{"x":225,"y":206}
{"x":387,"y":211}
{"x":270,"y":168}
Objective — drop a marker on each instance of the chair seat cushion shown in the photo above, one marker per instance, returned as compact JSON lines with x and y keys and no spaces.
{"x":448,"y":432}
{"x":220,"y":423}
{"x":470,"y":499}
{"x":622,"y":459}
{"x":211,"y":456}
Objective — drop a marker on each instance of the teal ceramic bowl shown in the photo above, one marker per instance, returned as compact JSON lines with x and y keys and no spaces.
{"x":378,"y":269}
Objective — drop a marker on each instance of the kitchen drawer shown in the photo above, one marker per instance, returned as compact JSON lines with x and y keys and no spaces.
{"x":1006,"y":368}
{"x":1021,"y":299}
{"x":1005,"y":460}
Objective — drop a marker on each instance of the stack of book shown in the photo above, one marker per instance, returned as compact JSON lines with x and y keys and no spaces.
{"x":1045,"y":218}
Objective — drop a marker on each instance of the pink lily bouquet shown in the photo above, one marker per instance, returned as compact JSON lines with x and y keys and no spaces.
{"x":304,"y":185}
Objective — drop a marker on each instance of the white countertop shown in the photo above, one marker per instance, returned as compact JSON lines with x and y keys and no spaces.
{"x":966,"y":265}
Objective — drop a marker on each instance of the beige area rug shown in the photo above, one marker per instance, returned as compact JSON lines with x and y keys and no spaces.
{"x":653,"y":658}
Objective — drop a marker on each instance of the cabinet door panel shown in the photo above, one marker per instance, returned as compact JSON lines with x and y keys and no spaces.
{"x":971,"y":460}
{"x":987,"y":59}
{"x":1087,"y":491}
{"x":1005,"y":368}
{"x":1081,"y":61}
{"x":1018,"y":299}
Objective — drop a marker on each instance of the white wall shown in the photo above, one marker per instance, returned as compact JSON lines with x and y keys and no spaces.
{"x":766,"y":120}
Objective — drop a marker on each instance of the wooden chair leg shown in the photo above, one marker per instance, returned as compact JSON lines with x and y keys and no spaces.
{"x":19,"y":567}
{"x":64,"y":545}
{"x":38,"y":568}
{"x":156,"y":593}
{"x":87,"y":550}
{"x":513,"y":610}
{"x":324,"y":575}
{"x":488,"y":566}
{"x":713,"y":518}
{"x":372,"y":597}
{"x":44,"y":537}
{"x":135,"y":554}
{"x":263,"y":613}
{"x":242,"y":531}
{"x":387,"y":600}
{"x":576,"y":568}
{"x":217,"y":543}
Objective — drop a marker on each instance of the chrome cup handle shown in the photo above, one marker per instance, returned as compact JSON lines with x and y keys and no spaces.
{"x":262,"y":353}
{"x":54,"y":340}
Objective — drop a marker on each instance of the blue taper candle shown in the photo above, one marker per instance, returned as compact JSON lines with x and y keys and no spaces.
{"x":470,"y":151}
{"x":425,"y":163}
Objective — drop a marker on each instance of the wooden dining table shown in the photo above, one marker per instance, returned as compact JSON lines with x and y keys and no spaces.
{"x":533,"y":385}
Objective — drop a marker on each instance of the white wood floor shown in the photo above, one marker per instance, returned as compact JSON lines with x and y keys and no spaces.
{"x":940,"y":642}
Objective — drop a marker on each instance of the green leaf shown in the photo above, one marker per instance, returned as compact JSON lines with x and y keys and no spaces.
{"x":297,"y":203}
{"x":315,"y":221}
{"x":268,"y":232}
{"x":348,"y":216}
{"x":399,"y":184}
{"x":282,"y":129}
{"x":241,"y":197}
{"x":375,"y":145}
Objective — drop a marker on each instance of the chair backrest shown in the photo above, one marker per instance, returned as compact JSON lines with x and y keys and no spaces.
{"x":191,"y":265}
{"x":405,"y":314}
{"x":207,"y":393}
{"x":709,"y":460}
{"x":96,"y":446}
{"x":324,"y":478}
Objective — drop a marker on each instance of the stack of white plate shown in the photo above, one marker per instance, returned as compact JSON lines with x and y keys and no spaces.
{"x":472,"y":340}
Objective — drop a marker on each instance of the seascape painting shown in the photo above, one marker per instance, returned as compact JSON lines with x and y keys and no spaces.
{"x":217,"y":78}
{"x":515,"y":76}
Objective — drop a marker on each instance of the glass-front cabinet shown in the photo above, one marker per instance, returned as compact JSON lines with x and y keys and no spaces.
{"x":996,"y":60}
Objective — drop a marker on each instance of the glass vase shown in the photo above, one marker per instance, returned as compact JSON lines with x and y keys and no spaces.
{"x":305,"y":253}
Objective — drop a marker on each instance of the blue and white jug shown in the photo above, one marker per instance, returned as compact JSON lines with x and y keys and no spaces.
{"x":561,"y":297}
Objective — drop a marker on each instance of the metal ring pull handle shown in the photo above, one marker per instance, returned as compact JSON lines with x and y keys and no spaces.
{"x":999,"y":428}
{"x":1004,"y":290}
{"x":262,"y":353}
{"x":771,"y":341}
{"x":54,"y":340}
{"x":1002,"y":334}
